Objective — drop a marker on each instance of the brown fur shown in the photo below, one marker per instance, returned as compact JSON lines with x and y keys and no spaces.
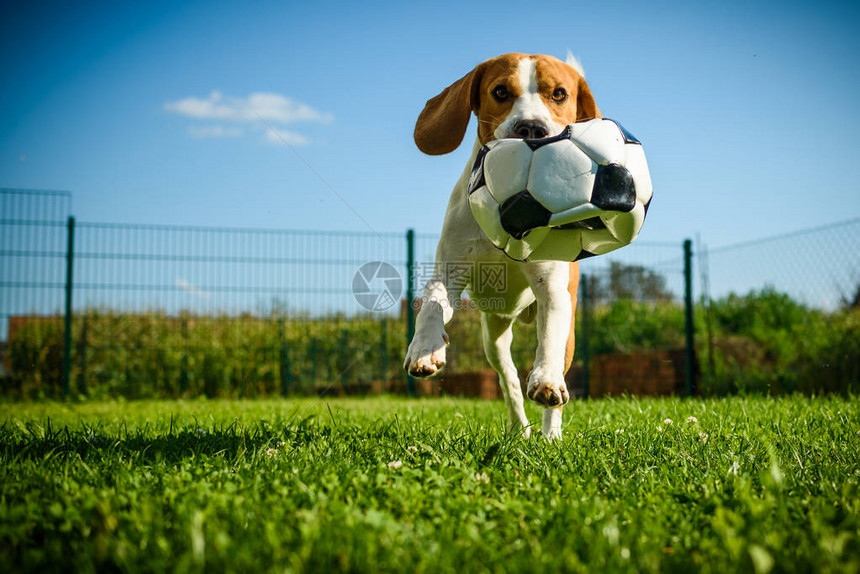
{"x":442,"y":124}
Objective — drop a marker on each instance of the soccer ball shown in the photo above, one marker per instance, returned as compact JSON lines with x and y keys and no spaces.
{"x":581,"y":193}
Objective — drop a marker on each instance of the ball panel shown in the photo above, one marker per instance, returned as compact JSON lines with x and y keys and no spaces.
{"x":599,"y":242}
{"x":559,"y":245}
{"x":522,"y":213}
{"x":585,"y":224}
{"x":601,"y":140}
{"x":638,"y":166}
{"x":476,"y":177}
{"x":628,"y":137}
{"x":561,"y":176}
{"x":584,"y":255}
{"x":625,"y":226}
{"x":574,"y":215}
{"x":485,"y":210}
{"x":522,"y":249}
{"x":614,"y":189}
{"x":506,"y":168}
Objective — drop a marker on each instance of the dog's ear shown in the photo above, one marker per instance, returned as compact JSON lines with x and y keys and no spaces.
{"x":586,"y":108}
{"x":442,"y":124}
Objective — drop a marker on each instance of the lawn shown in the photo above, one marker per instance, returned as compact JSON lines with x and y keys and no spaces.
{"x":373,"y":485}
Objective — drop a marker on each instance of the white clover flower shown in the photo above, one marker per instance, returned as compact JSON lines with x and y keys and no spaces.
{"x":703,"y":436}
{"x":692,"y":420}
{"x":667,"y":421}
{"x":482,"y":477}
{"x":412,"y":449}
{"x":395,"y":464}
{"x":734,"y":468}
{"x":270,"y":452}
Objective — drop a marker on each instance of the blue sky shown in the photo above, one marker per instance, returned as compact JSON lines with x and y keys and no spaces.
{"x":145,"y":111}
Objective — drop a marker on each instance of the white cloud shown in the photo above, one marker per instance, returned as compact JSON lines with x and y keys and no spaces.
{"x":271,"y":107}
{"x":189,"y":287}
{"x":283,"y":136}
{"x":207,"y":132}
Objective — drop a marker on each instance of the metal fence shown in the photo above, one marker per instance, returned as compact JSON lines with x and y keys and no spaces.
{"x":818,"y":267}
{"x":147,"y":310}
{"x":782,"y":314}
{"x":33,"y":247}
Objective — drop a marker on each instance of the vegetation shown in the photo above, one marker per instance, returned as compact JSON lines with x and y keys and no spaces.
{"x":760,"y":342}
{"x":765,"y":342}
{"x":744,"y":484}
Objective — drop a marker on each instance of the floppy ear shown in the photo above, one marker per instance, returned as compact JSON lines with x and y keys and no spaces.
{"x":586,"y":109}
{"x":442,"y":124}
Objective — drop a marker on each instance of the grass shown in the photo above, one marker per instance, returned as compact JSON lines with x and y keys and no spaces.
{"x":753,"y":485}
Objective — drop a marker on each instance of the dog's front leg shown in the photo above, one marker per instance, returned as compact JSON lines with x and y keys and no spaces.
{"x":426,"y":353}
{"x":546,"y":386}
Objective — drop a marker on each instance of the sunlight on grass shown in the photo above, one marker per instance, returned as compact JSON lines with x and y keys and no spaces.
{"x":368,"y":485}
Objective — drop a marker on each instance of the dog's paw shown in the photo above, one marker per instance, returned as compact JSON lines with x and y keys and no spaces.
{"x":546,"y":390}
{"x":426,"y":355}
{"x":551,"y":425}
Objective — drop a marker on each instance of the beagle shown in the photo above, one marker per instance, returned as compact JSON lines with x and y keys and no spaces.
{"x":513,"y":96}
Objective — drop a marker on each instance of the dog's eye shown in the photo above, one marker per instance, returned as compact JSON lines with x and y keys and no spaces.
{"x":559,"y":95}
{"x":500,"y":93}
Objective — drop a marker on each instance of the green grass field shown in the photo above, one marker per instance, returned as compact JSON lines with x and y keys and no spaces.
{"x":747,"y":485}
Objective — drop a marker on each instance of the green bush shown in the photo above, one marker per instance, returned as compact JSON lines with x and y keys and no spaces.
{"x":35,"y":357}
{"x":762,"y":342}
{"x":765,"y":342}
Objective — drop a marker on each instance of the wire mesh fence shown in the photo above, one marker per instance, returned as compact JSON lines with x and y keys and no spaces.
{"x":819,"y":267}
{"x":782,"y":314}
{"x":33,"y":249}
{"x":33,"y":237}
{"x":180,"y":310}
{"x":177,"y":311}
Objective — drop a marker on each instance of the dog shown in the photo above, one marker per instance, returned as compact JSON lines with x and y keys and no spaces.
{"x":512,"y":96}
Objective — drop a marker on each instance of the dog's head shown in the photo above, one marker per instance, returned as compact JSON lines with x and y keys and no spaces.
{"x":513,"y":96}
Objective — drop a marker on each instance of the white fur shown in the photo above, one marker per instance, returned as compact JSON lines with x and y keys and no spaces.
{"x":574,"y":63}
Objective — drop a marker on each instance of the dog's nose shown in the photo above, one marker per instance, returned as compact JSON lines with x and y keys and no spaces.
{"x":531,"y":129}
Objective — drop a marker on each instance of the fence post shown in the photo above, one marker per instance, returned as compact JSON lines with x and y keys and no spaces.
{"x":183,"y":365}
{"x":383,"y":351}
{"x":410,"y":298}
{"x":284,"y":363}
{"x":344,"y":353}
{"x":314,"y":365}
{"x":67,"y":319}
{"x":82,"y":357}
{"x":689,"y":350}
{"x":586,"y":335}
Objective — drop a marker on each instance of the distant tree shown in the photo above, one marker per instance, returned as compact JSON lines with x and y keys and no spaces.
{"x":634,"y":283}
{"x":852,"y":302}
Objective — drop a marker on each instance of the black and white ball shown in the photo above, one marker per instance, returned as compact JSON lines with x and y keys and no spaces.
{"x":582,"y":193}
